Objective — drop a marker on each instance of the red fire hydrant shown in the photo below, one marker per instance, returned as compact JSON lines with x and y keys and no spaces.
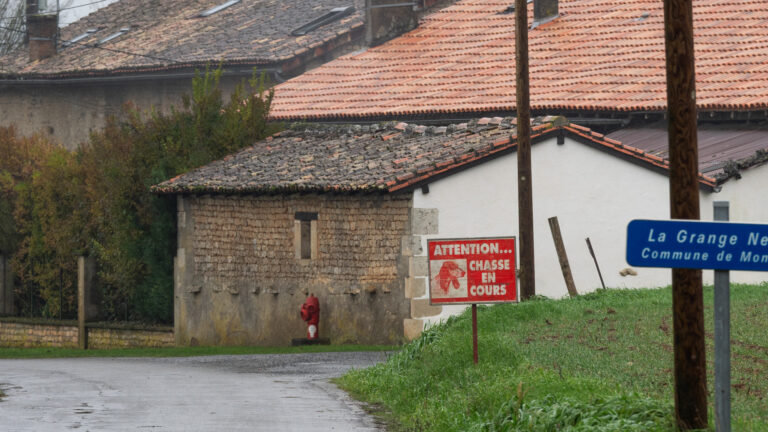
{"x":310,"y":312}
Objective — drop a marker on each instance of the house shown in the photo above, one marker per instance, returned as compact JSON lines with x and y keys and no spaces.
{"x":68,"y":82}
{"x":344,"y":212}
{"x":600,"y":63}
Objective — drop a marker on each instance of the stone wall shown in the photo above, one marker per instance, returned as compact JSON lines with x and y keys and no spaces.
{"x":104,"y":338}
{"x":37,"y":335}
{"x":239,"y":280}
{"x":69,"y":111}
{"x":28,"y":335}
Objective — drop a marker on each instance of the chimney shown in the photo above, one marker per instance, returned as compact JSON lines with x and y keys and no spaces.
{"x":386,"y":19}
{"x":32,"y":8}
{"x":42,"y":31}
{"x":544,"y":11}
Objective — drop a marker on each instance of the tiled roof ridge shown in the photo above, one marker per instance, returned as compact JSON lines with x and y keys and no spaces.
{"x":361,"y":159}
{"x":386,"y":128}
{"x":733,"y":168}
{"x":544,"y":125}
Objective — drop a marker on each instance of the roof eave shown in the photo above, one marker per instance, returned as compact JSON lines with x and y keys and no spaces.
{"x":263,"y":190}
{"x":289,"y":65}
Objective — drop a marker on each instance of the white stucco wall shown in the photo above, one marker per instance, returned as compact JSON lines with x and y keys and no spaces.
{"x":594,"y":194}
{"x":72,"y":10}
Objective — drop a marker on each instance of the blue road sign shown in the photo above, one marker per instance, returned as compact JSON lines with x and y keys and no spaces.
{"x":697,"y":245}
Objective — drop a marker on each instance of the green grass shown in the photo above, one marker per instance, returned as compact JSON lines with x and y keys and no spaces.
{"x":600,"y":362}
{"x":19,"y":353}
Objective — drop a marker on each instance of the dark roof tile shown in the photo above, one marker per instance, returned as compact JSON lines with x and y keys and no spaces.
{"x":337,"y":158}
{"x":169,"y":34}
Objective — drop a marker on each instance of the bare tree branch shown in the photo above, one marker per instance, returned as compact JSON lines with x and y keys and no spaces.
{"x":11,"y":26}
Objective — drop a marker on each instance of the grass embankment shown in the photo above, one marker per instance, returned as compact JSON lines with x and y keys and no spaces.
{"x":18,"y":353}
{"x":600,"y":362}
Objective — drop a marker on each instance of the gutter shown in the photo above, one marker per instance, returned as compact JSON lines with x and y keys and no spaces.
{"x":274,"y":72}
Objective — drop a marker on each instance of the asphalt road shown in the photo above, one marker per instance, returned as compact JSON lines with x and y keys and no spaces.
{"x":289,"y":392}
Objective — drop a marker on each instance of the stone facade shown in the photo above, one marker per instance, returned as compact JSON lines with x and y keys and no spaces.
{"x":240,"y":279}
{"x":25,"y":335}
{"x":423,"y":222}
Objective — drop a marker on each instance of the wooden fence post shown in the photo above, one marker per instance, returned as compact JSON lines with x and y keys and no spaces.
{"x":597,"y":266}
{"x":87,"y":303}
{"x":6,"y":286}
{"x":561,"y":255}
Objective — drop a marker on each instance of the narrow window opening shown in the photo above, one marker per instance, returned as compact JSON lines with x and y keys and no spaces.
{"x":305,"y":232}
{"x":306,"y":239}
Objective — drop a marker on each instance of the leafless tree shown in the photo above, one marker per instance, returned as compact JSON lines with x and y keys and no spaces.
{"x":11,"y":25}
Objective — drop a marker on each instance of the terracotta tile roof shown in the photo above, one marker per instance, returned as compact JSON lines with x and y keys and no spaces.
{"x":723,"y":151}
{"x":603,"y":55}
{"x":169,"y":34}
{"x":387,"y":157}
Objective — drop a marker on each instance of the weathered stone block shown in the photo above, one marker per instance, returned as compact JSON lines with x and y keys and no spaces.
{"x":424,"y":221}
{"x":419,"y":266}
{"x":415,"y":287}
{"x":421,"y":308}
{"x":412,"y":328}
{"x":411,"y":246}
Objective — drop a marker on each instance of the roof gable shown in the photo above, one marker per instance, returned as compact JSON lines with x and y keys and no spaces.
{"x":599,"y":55}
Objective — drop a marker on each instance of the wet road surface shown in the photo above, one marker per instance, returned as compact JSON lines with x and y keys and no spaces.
{"x":288,"y":392}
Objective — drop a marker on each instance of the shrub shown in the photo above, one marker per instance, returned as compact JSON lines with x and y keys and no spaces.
{"x":96,"y":200}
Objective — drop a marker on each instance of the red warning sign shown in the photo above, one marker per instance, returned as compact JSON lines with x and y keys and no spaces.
{"x":472,"y":271}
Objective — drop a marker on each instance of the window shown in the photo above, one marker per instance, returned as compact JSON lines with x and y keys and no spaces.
{"x":114,"y":35}
{"x":79,"y":37}
{"x":305,"y":235}
{"x":335,"y":14}
{"x":218,"y":8}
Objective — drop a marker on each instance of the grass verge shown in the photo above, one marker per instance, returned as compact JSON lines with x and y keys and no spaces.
{"x":599,"y":362}
{"x":23,"y":353}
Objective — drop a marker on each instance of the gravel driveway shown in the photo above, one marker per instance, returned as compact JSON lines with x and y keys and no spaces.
{"x":288,"y":392}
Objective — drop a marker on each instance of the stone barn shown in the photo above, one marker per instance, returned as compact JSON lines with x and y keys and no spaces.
{"x":344,"y":212}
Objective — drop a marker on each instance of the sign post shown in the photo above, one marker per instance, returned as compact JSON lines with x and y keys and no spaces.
{"x":472,"y":271}
{"x":722,"y":246}
{"x":722,"y":337}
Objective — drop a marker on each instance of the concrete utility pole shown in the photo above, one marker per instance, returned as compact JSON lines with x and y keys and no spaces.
{"x":687,"y":297}
{"x":524,"y":184}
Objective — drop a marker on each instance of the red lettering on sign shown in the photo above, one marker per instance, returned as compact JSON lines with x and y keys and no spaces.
{"x":472,"y":270}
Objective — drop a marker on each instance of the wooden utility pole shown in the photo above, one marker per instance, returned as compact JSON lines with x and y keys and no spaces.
{"x":687,"y":297}
{"x":524,"y":185}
